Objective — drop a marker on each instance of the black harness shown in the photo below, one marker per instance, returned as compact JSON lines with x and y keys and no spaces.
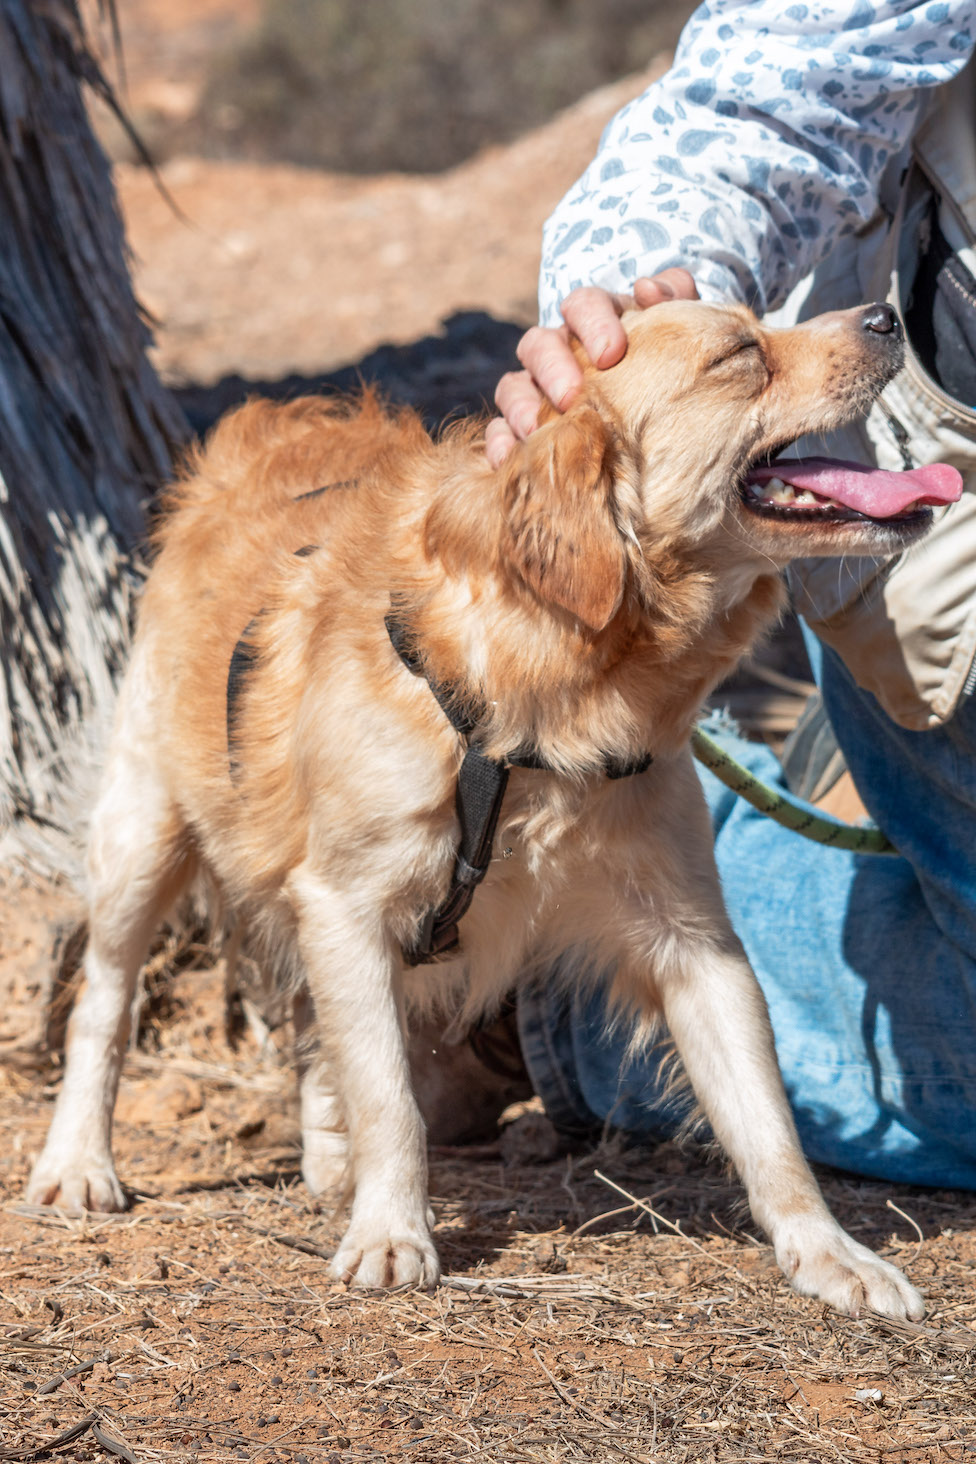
{"x":480,"y":787}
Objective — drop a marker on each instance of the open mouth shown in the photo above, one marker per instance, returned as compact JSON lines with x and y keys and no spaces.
{"x":828,"y":490}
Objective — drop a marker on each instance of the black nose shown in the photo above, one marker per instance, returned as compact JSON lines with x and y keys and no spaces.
{"x":881,"y":320}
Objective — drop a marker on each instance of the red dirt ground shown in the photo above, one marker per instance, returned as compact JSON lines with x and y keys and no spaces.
{"x":202,"y":1324}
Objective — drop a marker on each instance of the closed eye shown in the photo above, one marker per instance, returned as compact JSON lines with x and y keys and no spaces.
{"x":731,"y":353}
{"x":744,"y":356}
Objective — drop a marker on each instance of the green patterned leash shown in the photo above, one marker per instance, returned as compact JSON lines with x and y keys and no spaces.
{"x":777,"y":806}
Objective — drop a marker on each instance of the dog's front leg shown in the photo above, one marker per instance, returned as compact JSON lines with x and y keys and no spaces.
{"x":720,"y":1024}
{"x":354,"y":976}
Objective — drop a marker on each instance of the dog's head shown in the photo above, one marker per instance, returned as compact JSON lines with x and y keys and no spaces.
{"x":678,"y":448}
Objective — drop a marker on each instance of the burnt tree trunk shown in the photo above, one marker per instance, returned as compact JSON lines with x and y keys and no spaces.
{"x":86,"y":429}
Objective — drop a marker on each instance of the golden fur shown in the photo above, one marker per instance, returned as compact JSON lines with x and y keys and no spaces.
{"x":583,"y":600}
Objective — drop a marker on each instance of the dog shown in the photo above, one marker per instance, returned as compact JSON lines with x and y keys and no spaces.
{"x":345,"y":616}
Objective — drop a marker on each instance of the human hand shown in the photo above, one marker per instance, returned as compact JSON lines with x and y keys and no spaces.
{"x":592,"y":316}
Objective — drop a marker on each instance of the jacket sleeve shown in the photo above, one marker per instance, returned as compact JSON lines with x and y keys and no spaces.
{"x":758,"y":150}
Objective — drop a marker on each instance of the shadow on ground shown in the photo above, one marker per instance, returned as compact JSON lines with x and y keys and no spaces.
{"x":440,"y":376}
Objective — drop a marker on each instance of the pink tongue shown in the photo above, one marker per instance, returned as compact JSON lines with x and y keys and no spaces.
{"x":870,"y":491}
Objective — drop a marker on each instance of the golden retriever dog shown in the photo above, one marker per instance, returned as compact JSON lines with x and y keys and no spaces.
{"x":343,"y":611}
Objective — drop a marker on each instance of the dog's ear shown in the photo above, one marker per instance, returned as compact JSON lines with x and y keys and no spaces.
{"x":562,"y":537}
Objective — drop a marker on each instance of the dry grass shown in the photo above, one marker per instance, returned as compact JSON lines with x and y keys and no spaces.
{"x":598,"y":1307}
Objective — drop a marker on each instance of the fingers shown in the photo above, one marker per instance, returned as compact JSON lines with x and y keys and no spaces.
{"x":670,"y":284}
{"x":593,"y":316}
{"x":548,"y":357}
{"x":518,"y":398}
{"x":499,"y":441}
{"x":551,"y":369}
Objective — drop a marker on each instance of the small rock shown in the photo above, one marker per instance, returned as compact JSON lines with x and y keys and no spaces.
{"x":551,"y":1263}
{"x":530,"y":1139}
{"x":169,"y":1101}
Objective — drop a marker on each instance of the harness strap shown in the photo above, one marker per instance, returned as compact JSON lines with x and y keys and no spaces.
{"x":481,"y":788}
{"x":478,"y":800}
{"x":460,"y":718}
{"x":480,"y":791}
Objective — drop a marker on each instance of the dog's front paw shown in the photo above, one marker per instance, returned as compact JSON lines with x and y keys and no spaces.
{"x":80,"y":1183}
{"x":848,"y":1276}
{"x":404,"y":1257}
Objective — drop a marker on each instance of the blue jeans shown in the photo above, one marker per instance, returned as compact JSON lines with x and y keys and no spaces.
{"x":868,"y":963}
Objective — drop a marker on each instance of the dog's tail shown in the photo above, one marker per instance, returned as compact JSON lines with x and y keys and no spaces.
{"x":258,"y":432}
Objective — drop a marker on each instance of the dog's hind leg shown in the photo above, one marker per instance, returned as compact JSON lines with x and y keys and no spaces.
{"x":353,"y":973}
{"x":138,"y":864}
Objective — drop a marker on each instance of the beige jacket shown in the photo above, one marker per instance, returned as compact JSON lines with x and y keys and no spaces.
{"x":906,"y":629}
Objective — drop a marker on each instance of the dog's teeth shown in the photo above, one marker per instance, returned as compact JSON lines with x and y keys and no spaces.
{"x":769,"y":492}
{"x":774,"y":490}
{"x":777,"y":490}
